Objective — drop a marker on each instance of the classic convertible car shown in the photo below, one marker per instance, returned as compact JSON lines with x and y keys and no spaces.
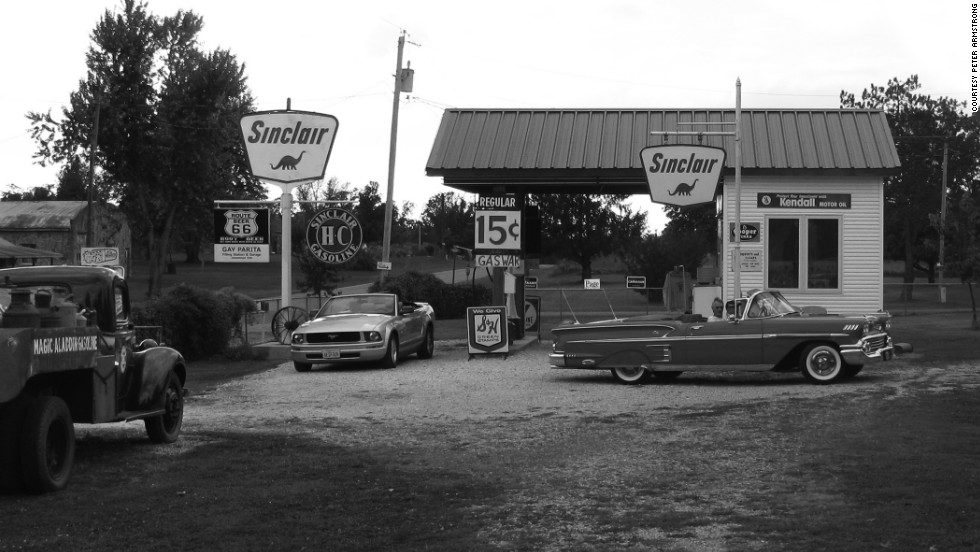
{"x":763,"y":332}
{"x":363,"y":328}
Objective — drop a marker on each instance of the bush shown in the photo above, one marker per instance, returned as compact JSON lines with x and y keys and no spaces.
{"x":197,"y":322}
{"x":449,"y":301}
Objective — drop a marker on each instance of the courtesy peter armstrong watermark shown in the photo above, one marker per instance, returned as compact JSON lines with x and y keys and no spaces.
{"x":974,"y":69}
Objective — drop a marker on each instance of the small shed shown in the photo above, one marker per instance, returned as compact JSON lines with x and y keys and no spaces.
{"x":61,"y":227}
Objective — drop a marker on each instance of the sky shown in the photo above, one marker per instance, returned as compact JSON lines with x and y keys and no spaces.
{"x":339,"y":58}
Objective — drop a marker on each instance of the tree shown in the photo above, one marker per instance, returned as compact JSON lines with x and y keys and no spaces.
{"x":39,"y":193}
{"x":921,"y":125}
{"x":448,"y":219}
{"x":689,"y":236}
{"x":965,"y":225}
{"x":370,"y":211}
{"x":583,"y":227}
{"x":168,"y":124}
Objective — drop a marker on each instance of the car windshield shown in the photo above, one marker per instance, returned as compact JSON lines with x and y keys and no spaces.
{"x":359,"y":304}
{"x":770,"y":303}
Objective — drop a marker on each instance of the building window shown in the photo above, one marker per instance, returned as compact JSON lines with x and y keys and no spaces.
{"x":803,"y":253}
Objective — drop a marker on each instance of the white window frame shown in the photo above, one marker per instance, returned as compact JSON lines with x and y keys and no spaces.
{"x":802,"y":247}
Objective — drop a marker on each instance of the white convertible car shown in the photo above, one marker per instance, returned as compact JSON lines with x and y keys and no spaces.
{"x":369,"y":327}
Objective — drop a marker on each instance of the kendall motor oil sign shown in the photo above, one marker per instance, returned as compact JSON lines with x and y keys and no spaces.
{"x":682,"y":174}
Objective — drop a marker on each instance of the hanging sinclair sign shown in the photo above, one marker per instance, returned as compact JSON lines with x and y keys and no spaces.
{"x":288,"y":146}
{"x":682,"y":175}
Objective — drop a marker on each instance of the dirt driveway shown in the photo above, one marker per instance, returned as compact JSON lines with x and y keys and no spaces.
{"x":493,"y":454}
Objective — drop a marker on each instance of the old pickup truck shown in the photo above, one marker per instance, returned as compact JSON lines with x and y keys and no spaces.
{"x":68,"y":355}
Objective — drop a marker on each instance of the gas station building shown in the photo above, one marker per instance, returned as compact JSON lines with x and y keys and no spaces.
{"x":810,"y":201}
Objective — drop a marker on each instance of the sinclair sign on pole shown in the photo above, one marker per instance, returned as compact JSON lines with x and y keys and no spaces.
{"x":682,"y":175}
{"x":287,"y":148}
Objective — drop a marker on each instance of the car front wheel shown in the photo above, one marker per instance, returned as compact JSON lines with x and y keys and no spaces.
{"x":391,"y":354}
{"x":822,"y":363}
{"x":631,"y":375}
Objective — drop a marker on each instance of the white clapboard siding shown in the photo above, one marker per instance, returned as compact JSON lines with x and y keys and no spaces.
{"x":862,"y":254}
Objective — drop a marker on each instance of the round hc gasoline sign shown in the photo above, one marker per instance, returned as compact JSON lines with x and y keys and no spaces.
{"x":334,"y":235}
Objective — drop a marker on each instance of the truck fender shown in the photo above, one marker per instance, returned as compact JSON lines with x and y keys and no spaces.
{"x":153,"y":365}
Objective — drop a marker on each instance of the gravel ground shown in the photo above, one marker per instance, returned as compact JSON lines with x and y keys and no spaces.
{"x":452,"y":387}
{"x":510,"y":454}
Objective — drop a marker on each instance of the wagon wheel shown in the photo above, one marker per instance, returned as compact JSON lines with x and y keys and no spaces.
{"x":285,"y":321}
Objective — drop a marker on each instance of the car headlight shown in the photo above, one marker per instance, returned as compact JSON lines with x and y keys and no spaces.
{"x":299,"y":338}
{"x":372,"y":336}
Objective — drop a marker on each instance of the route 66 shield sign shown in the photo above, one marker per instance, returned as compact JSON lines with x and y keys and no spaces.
{"x":241,"y":223}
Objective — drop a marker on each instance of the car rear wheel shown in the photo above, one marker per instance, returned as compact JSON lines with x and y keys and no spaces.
{"x":428,"y":344}
{"x":391,"y":354}
{"x":48,"y":446}
{"x":821,"y":363}
{"x":630,"y":375}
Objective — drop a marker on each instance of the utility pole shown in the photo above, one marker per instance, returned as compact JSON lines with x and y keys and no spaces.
{"x":403,"y":82}
{"x":942,"y":225}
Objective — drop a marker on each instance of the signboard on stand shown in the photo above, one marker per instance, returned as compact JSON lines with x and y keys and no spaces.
{"x":486,"y":330}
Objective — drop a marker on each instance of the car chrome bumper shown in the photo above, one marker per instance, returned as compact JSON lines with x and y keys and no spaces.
{"x":557,"y":359}
{"x":867,"y":350}
{"x":354,"y":352}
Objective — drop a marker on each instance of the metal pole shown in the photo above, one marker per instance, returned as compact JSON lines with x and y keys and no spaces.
{"x":942,"y":226}
{"x":386,"y":247}
{"x":286,"y":203}
{"x":90,"y":229}
{"x":737,"y":250}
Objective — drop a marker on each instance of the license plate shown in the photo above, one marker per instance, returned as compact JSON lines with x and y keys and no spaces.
{"x":331,"y":353}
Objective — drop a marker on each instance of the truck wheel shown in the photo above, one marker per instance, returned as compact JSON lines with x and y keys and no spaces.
{"x":11,"y":430}
{"x":166,"y":427}
{"x":48,"y":445}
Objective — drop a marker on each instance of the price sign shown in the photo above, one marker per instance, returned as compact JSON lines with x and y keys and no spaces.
{"x":497,"y":225}
{"x":498,"y":230}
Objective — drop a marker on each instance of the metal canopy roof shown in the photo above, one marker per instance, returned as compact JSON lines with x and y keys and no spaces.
{"x":598,"y":151}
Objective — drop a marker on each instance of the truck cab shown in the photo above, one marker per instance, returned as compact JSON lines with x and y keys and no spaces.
{"x":68,"y":355}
